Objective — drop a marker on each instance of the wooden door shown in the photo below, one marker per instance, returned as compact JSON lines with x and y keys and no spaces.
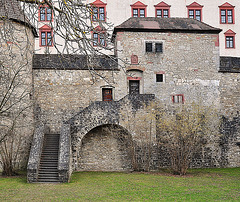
{"x":134,"y":87}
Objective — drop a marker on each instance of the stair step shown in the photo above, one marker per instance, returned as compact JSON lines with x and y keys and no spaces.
{"x":48,"y":168}
{"x":48,"y":174}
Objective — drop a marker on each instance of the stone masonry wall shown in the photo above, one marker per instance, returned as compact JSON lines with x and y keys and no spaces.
{"x":230,"y":108}
{"x":60,"y":94}
{"x":189,"y":63}
{"x":17,"y":43}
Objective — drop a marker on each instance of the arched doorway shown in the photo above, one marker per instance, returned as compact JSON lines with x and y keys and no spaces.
{"x":106,"y":148}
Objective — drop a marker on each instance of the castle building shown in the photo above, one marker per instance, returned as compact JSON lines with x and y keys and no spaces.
{"x":88,"y":114}
{"x":221,"y":14}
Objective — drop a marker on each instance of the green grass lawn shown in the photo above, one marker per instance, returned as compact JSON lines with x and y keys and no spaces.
{"x":198,"y":185}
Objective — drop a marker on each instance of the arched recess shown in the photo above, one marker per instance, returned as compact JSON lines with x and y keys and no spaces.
{"x":106,"y":147}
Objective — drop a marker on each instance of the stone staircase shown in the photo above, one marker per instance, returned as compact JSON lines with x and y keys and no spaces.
{"x":48,"y":168}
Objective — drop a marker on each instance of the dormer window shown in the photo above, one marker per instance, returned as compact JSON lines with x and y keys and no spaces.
{"x":162,"y":10}
{"x":139,"y":9}
{"x":99,"y":11}
{"x":226,"y":14}
{"x":45,"y":13}
{"x":195,"y":11}
{"x":230,"y":39}
{"x":46,"y":36}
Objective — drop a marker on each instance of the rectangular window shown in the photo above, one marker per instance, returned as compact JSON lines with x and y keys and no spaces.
{"x":165,"y":13}
{"x":178,"y":99}
{"x":191,"y":13}
{"x":107,"y":94}
{"x":101,"y":14}
{"x":49,"y":14}
{"x":49,"y":38}
{"x":43,"y":38}
{"x":159,"y":13}
{"x":159,"y":77}
{"x":162,"y":13}
{"x":198,"y":15}
{"x":194,"y":14}
{"x":148,"y":47}
{"x":229,"y":41}
{"x":158,"y":47}
{"x":155,"y":47}
{"x":135,"y":13}
{"x":95,"y":14}
{"x":99,"y":39}
{"x":45,"y":13}
{"x":42,"y":13}
{"x":46,"y":38}
{"x":223,"y":16}
{"x":230,"y":16}
{"x":142,"y":13}
{"x":226,"y":16}
{"x":95,"y":39}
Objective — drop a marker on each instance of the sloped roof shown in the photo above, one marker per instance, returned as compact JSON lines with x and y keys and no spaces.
{"x":151,"y":24}
{"x":73,"y":62}
{"x":11,"y":10}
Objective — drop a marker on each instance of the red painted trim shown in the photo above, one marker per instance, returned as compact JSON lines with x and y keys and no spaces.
{"x":183,"y":100}
{"x":232,"y":34}
{"x":227,"y":6}
{"x":45,"y":29}
{"x":162,"y":6}
{"x":195,"y":6}
{"x":139,"y":5}
{"x":39,"y":13}
{"x":134,"y":78}
{"x":98,"y":32}
{"x":99,"y":4}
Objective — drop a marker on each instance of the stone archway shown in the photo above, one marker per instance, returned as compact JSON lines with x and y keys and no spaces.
{"x":106,"y":148}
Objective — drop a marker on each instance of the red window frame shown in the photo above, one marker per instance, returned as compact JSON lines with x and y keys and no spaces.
{"x":162,"y":6}
{"x":98,"y":37}
{"x":227,"y":7}
{"x":46,"y":8}
{"x":230,"y":38}
{"x":195,"y":7}
{"x":97,"y":15}
{"x":139,"y":6}
{"x":46,"y":30}
{"x":180,"y":98}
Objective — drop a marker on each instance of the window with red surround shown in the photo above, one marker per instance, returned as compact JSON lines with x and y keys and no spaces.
{"x":230,"y":39}
{"x":98,"y":36}
{"x":226,"y":13}
{"x":162,"y":10}
{"x":139,"y":10}
{"x":46,"y":36}
{"x":179,"y":98}
{"x":45,"y":13}
{"x":195,"y":11}
{"x":98,"y":11}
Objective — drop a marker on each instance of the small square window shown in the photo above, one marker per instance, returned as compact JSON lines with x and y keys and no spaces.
{"x":178,"y":99}
{"x":159,"y":77}
{"x":149,"y":47}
